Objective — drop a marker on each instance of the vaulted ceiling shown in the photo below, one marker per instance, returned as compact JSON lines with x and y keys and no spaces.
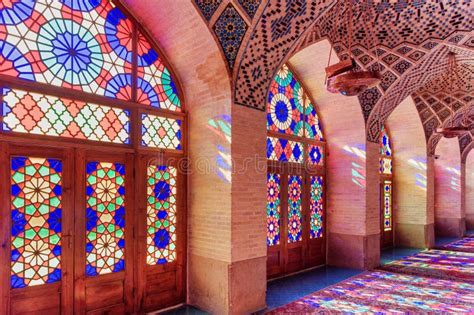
{"x":409,"y":42}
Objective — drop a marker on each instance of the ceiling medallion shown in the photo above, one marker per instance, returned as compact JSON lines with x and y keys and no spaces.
{"x":342,"y":77}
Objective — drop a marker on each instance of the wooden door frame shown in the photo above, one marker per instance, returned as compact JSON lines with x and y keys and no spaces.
{"x":66,"y":155}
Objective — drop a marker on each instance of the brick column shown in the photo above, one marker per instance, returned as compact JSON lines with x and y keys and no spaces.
{"x":469,"y":195}
{"x":412,"y":206}
{"x":450,"y":219}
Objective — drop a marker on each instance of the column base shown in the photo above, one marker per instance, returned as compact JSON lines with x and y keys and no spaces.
{"x":450,"y":227}
{"x":470,"y":221}
{"x":414,"y":235}
{"x":220,"y":287}
{"x":354,"y":251}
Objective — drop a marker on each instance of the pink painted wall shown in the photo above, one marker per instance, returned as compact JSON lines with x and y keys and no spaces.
{"x":449,"y":215}
{"x":470,"y":191}
{"x":413,"y":210}
{"x":352,"y":228}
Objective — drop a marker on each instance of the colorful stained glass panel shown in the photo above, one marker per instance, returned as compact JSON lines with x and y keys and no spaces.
{"x":387,"y":205}
{"x":40,"y":114}
{"x":273,"y":209}
{"x":284,"y":150}
{"x":36,"y":211}
{"x":385,"y":144}
{"x":161,"y":214}
{"x":313,"y":128}
{"x":385,"y":166}
{"x":317,"y":207}
{"x":295,"y":216}
{"x":105,"y":218}
{"x":161,"y":132}
{"x":155,"y":86}
{"x":84,"y":45}
{"x":315,"y":154}
{"x":285,"y":104}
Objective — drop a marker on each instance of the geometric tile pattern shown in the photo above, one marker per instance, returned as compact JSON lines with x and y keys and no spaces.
{"x":208,"y":7}
{"x":230,"y":29}
{"x":387,"y":201}
{"x":250,"y":6}
{"x":40,"y":114}
{"x":36,"y":211}
{"x":161,"y":132}
{"x":105,"y":218}
{"x":161,"y":214}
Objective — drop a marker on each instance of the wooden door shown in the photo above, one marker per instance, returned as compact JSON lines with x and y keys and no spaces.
{"x":104,"y":233}
{"x":37,"y":239}
{"x":386,"y":213}
{"x":161,"y":230}
{"x":295,"y":219}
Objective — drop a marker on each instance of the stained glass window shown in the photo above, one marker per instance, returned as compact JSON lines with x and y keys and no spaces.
{"x":83,"y":45}
{"x":155,"y":86}
{"x":105,"y":218}
{"x":273,"y":209}
{"x":316,"y":207}
{"x":385,"y":144}
{"x":40,"y":114}
{"x":315,"y":154}
{"x":285,"y":104}
{"x":385,"y":166}
{"x":161,"y":132}
{"x":284,"y":150}
{"x":387,"y":201}
{"x":294,"y":208}
{"x":161,"y":214}
{"x":36,"y":206}
{"x":312,"y":122}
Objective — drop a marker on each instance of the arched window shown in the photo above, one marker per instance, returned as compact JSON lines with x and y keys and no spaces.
{"x":386,"y":189}
{"x":295,"y":179}
{"x":91,"y":129}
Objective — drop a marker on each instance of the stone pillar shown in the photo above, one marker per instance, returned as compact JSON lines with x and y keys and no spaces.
{"x":469,"y":195}
{"x":450,"y":219}
{"x":412,"y":209}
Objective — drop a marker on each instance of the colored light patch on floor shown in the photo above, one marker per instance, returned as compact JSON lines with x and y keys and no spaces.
{"x":463,"y":245}
{"x":380,"y":291}
{"x":436,"y":263}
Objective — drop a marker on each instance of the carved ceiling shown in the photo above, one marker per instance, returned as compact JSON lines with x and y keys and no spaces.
{"x":412,"y":38}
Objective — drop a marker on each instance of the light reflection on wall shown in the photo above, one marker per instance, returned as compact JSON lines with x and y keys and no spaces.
{"x":221,"y":126}
{"x":358,"y":169}
{"x":455,"y":182}
{"x":420,"y":177}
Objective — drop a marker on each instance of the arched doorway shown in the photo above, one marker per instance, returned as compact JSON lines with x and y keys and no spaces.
{"x":296,"y":178}
{"x":92,"y":134}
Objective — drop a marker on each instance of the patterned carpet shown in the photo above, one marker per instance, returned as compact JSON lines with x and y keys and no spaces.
{"x":386,"y":292}
{"x":464,"y":245}
{"x":441,"y":264}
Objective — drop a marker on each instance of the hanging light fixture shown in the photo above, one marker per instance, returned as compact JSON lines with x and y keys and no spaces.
{"x":341,"y":77}
{"x":452,"y":131}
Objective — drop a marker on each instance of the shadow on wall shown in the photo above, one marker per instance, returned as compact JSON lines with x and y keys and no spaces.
{"x":420,"y":171}
{"x":358,"y":165}
{"x":221,"y":125}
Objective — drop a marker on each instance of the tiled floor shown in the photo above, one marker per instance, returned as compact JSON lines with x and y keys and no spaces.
{"x":391,"y":254}
{"x":185,"y":310}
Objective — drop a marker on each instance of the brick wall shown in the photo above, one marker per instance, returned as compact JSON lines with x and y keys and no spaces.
{"x":470,"y":191}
